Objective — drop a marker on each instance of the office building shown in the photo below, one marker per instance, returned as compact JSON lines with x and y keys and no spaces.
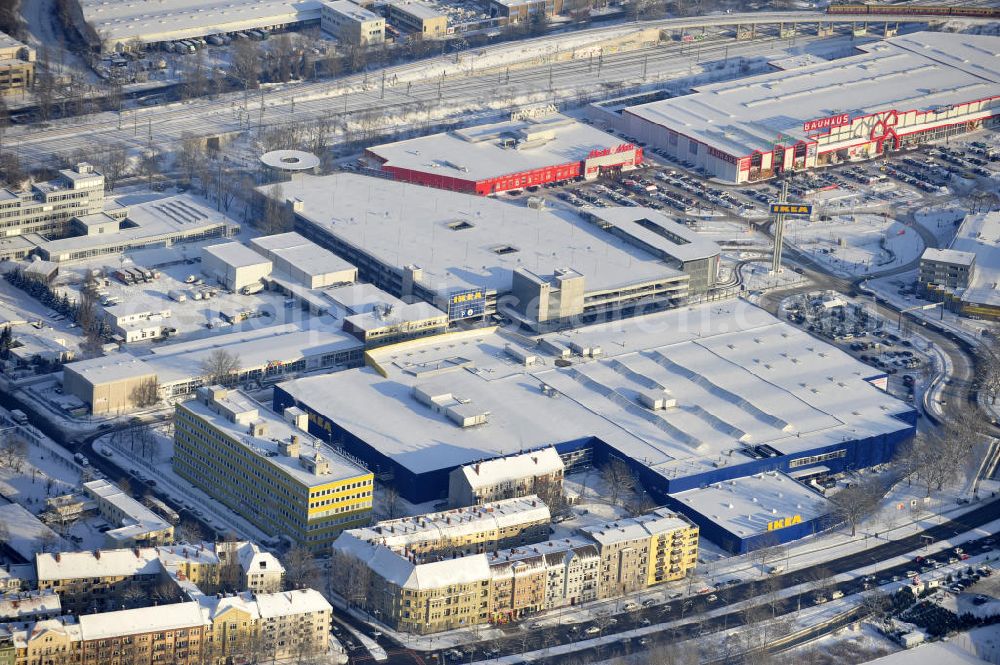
{"x":417,"y":17}
{"x":268,"y":469}
{"x":17,"y":65}
{"x":47,"y":207}
{"x":136,"y":525}
{"x":966,"y":276}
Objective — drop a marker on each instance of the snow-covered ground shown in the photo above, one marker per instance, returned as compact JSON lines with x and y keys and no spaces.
{"x":855,"y":244}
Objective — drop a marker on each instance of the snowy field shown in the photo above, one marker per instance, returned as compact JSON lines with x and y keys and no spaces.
{"x":855,"y":244}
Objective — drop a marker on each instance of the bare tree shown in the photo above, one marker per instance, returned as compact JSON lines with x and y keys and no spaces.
{"x":124,"y":485}
{"x":113,"y":164}
{"x":13,"y":453}
{"x":988,"y":373}
{"x":619,"y":480}
{"x":300,"y":569}
{"x":877,"y":605}
{"x":853,"y":504}
{"x":245,"y":63}
{"x":276,"y":216}
{"x":391,"y":501}
{"x":190,"y":532}
{"x":146,"y":394}
{"x":191,"y":156}
{"x":350,"y":578}
{"x":221,"y":367}
{"x":133,"y":596}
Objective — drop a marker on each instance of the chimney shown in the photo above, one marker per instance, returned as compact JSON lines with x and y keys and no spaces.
{"x":477,"y":468}
{"x":97,"y":554}
{"x":135,"y":550}
{"x":58,"y":556}
{"x":534,"y":458}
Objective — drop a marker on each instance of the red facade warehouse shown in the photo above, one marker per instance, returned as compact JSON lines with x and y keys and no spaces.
{"x":521,"y":152}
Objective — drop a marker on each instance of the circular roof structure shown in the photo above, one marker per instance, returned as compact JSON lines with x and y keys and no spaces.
{"x":290,"y":160}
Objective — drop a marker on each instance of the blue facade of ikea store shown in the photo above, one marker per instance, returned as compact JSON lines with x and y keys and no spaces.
{"x":433,"y":484}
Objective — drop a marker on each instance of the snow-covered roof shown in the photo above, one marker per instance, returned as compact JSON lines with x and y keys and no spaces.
{"x":980,"y":235}
{"x":514,"y":467}
{"x":99,"y":563}
{"x":20,"y":605}
{"x":254,"y":560}
{"x":137,"y":520}
{"x":745,"y":506}
{"x":661,"y":234}
{"x":461,"y":241}
{"x":554,"y":551}
{"x":405,"y":574}
{"x":948,"y":256}
{"x":235,"y":255}
{"x":26,"y":534}
{"x":276,"y":429}
{"x":739,"y":377}
{"x":352,"y":10}
{"x":165,"y":219}
{"x":378,"y":318}
{"x":660,"y":521}
{"x":291,"y":249}
{"x":485,"y":152}
{"x":407,"y":532}
{"x":915,"y":72}
{"x":141,"y":620}
{"x":931,"y":653}
{"x":288,"y":603}
{"x":122,"y":20}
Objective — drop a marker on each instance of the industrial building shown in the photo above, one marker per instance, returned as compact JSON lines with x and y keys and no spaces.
{"x":119,"y":24}
{"x":268,"y":469}
{"x":900,"y":92}
{"x":966,"y":276}
{"x":107,"y":384}
{"x":17,"y":65}
{"x":351,"y":23}
{"x":407,"y":589}
{"x":534,"y":147}
{"x":417,"y":17}
{"x":234,"y":265}
{"x":688,"y":398}
{"x":162,"y":222}
{"x":303,"y":261}
{"x":515,"y":11}
{"x":473,"y":257}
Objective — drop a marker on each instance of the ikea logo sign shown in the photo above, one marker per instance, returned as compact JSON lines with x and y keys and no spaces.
{"x":784,"y":522}
{"x":791,"y":209}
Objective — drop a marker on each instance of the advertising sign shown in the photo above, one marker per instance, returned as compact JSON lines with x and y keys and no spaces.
{"x":827,"y":123}
{"x":466,"y":304}
{"x":797,"y":209}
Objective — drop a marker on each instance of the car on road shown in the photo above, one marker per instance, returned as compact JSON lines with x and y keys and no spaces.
{"x":712,"y":598}
{"x":592,"y":630}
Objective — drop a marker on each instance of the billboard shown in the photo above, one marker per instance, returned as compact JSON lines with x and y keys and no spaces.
{"x":466,"y":304}
{"x":797,"y":209}
{"x":827,"y":123}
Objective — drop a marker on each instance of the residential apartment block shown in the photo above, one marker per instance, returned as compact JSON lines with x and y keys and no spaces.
{"x":47,"y":207}
{"x":463,"y":531}
{"x":424,"y":595}
{"x":660,"y":546}
{"x":207,"y":631}
{"x":209,"y":627}
{"x":268,"y":469}
{"x":539,"y":472}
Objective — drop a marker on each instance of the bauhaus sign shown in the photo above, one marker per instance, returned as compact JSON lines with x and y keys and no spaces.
{"x":783,"y":522}
{"x":826,"y":123}
{"x":802,"y":209}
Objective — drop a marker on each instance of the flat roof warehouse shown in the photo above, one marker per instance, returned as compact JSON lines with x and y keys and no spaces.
{"x":689,"y":396}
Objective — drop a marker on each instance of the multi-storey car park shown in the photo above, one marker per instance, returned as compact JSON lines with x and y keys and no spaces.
{"x":521,"y":152}
{"x":690,"y":399}
{"x":268,"y":469}
{"x":473,"y":257}
{"x":899,"y":92}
